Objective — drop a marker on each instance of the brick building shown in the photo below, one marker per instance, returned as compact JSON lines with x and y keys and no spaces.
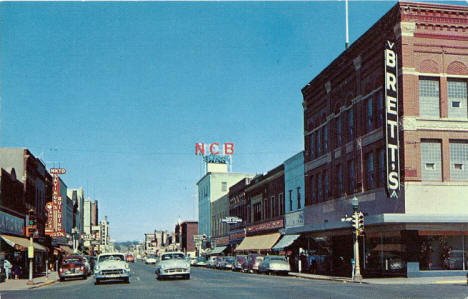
{"x":184,"y":232}
{"x":410,"y":175}
{"x":265,"y":195}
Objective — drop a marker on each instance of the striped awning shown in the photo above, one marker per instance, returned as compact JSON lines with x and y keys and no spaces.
{"x":286,"y":241}
{"x":261,"y":242}
{"x":23,"y":243}
{"x":217,"y":250}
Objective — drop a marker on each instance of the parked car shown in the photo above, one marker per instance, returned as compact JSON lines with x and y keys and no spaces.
{"x":73,"y":266}
{"x":274,"y":264}
{"x":228,"y":262}
{"x":111,"y":266}
{"x":130,"y":258}
{"x":212,"y":261}
{"x":192,"y":260}
{"x":200,"y":261}
{"x":253,"y":260}
{"x":240,"y":263}
{"x":219,"y":262}
{"x":151,"y":259}
{"x":172,"y":264}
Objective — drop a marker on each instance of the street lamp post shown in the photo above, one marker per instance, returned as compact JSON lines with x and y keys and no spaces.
{"x":357,"y":264}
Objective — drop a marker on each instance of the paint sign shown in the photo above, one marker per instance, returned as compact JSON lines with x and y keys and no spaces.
{"x":231,"y":220}
{"x":391,"y":120}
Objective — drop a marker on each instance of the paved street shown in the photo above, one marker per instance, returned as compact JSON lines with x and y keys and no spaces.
{"x":208,"y":283}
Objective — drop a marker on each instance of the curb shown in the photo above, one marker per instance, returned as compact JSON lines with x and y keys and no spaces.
{"x":330,"y":279}
{"x":43,"y":284}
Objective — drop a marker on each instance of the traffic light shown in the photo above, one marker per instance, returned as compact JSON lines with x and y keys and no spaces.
{"x":32,"y":218}
{"x":361,"y":222}
{"x":355,"y":220}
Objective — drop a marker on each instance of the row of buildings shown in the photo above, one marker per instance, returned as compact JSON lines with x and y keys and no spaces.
{"x":64,"y":221}
{"x":387,"y":123}
{"x":162,"y":241}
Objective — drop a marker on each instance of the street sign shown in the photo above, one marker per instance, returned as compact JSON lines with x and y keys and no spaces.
{"x":231,"y":220}
{"x":199,"y":237}
{"x":31,"y":252}
{"x":58,"y":171}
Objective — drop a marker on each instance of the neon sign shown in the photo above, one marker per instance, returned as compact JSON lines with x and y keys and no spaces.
{"x":391,"y":120}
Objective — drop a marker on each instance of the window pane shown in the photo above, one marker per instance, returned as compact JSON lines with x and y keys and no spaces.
{"x":370,"y":115}
{"x":338,"y":131}
{"x":429,"y":97}
{"x":457,"y":99}
{"x":431,"y":160}
{"x":458,"y":160}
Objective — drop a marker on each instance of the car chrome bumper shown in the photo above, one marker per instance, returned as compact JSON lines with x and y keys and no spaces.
{"x":124,"y":274}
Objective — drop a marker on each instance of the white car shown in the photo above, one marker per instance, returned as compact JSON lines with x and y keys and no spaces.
{"x":111,"y":266}
{"x":150,"y":259}
{"x":172,"y":264}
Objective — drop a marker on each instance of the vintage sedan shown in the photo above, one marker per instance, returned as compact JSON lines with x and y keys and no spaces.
{"x":111,"y":266}
{"x":274,"y":264}
{"x":172,"y":264}
{"x":73,"y":267}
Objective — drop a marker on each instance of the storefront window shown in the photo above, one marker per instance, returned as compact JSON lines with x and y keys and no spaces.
{"x":384,"y":254}
{"x":442,"y":251}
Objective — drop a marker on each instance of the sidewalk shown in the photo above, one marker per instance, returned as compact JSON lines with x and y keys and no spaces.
{"x":458,"y":280}
{"x":21,"y":284}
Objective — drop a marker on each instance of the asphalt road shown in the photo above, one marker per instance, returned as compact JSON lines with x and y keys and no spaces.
{"x":208,"y":283}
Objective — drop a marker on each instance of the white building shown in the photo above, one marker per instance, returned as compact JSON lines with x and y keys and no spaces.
{"x":213,"y":185}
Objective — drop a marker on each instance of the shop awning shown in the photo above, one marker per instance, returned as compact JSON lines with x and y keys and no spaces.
{"x":66,"y":249}
{"x":286,"y":241}
{"x":261,"y":242}
{"x":22,"y":242}
{"x":217,"y":250}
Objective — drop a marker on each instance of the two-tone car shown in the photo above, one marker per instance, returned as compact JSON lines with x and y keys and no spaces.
{"x":172,"y":264}
{"x":111,"y":266}
{"x":73,"y":266}
{"x":274,"y":264}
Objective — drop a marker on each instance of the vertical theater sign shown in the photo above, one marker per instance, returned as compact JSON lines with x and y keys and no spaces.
{"x":54,"y":226}
{"x":391,"y":120}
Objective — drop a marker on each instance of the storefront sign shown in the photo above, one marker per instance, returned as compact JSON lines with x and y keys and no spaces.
{"x":294,"y":219}
{"x":391,"y":120}
{"x":266,"y":226}
{"x":237,"y":235}
{"x":231,"y":220}
{"x":11,"y":224}
{"x":54,"y":226}
{"x":222,"y":241}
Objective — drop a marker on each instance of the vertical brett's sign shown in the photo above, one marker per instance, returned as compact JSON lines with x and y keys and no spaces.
{"x":391,"y":120}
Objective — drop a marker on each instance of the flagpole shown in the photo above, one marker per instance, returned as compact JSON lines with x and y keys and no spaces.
{"x":347,"y":31}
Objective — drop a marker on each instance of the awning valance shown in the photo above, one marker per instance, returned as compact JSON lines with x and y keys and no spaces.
{"x":23,"y":243}
{"x":217,"y":250}
{"x":286,"y":241}
{"x":261,"y":242}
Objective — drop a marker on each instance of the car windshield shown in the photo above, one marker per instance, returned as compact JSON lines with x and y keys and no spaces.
{"x":174,"y":256}
{"x":151,"y":256}
{"x":113,"y":257}
{"x":277,"y":258}
{"x":69,"y":261}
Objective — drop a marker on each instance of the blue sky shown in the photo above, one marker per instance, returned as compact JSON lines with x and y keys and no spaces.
{"x":119,"y":93}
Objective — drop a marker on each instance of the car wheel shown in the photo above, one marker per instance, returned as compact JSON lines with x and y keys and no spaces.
{"x":62,"y":278}
{"x":98,"y":281}
{"x":84,"y":277}
{"x":127,"y":280}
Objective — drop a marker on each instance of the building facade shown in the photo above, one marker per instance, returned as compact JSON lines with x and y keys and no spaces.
{"x":265,"y":195}
{"x":239,"y":206}
{"x":219,"y":229}
{"x":387,"y":122}
{"x":214,"y":184}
